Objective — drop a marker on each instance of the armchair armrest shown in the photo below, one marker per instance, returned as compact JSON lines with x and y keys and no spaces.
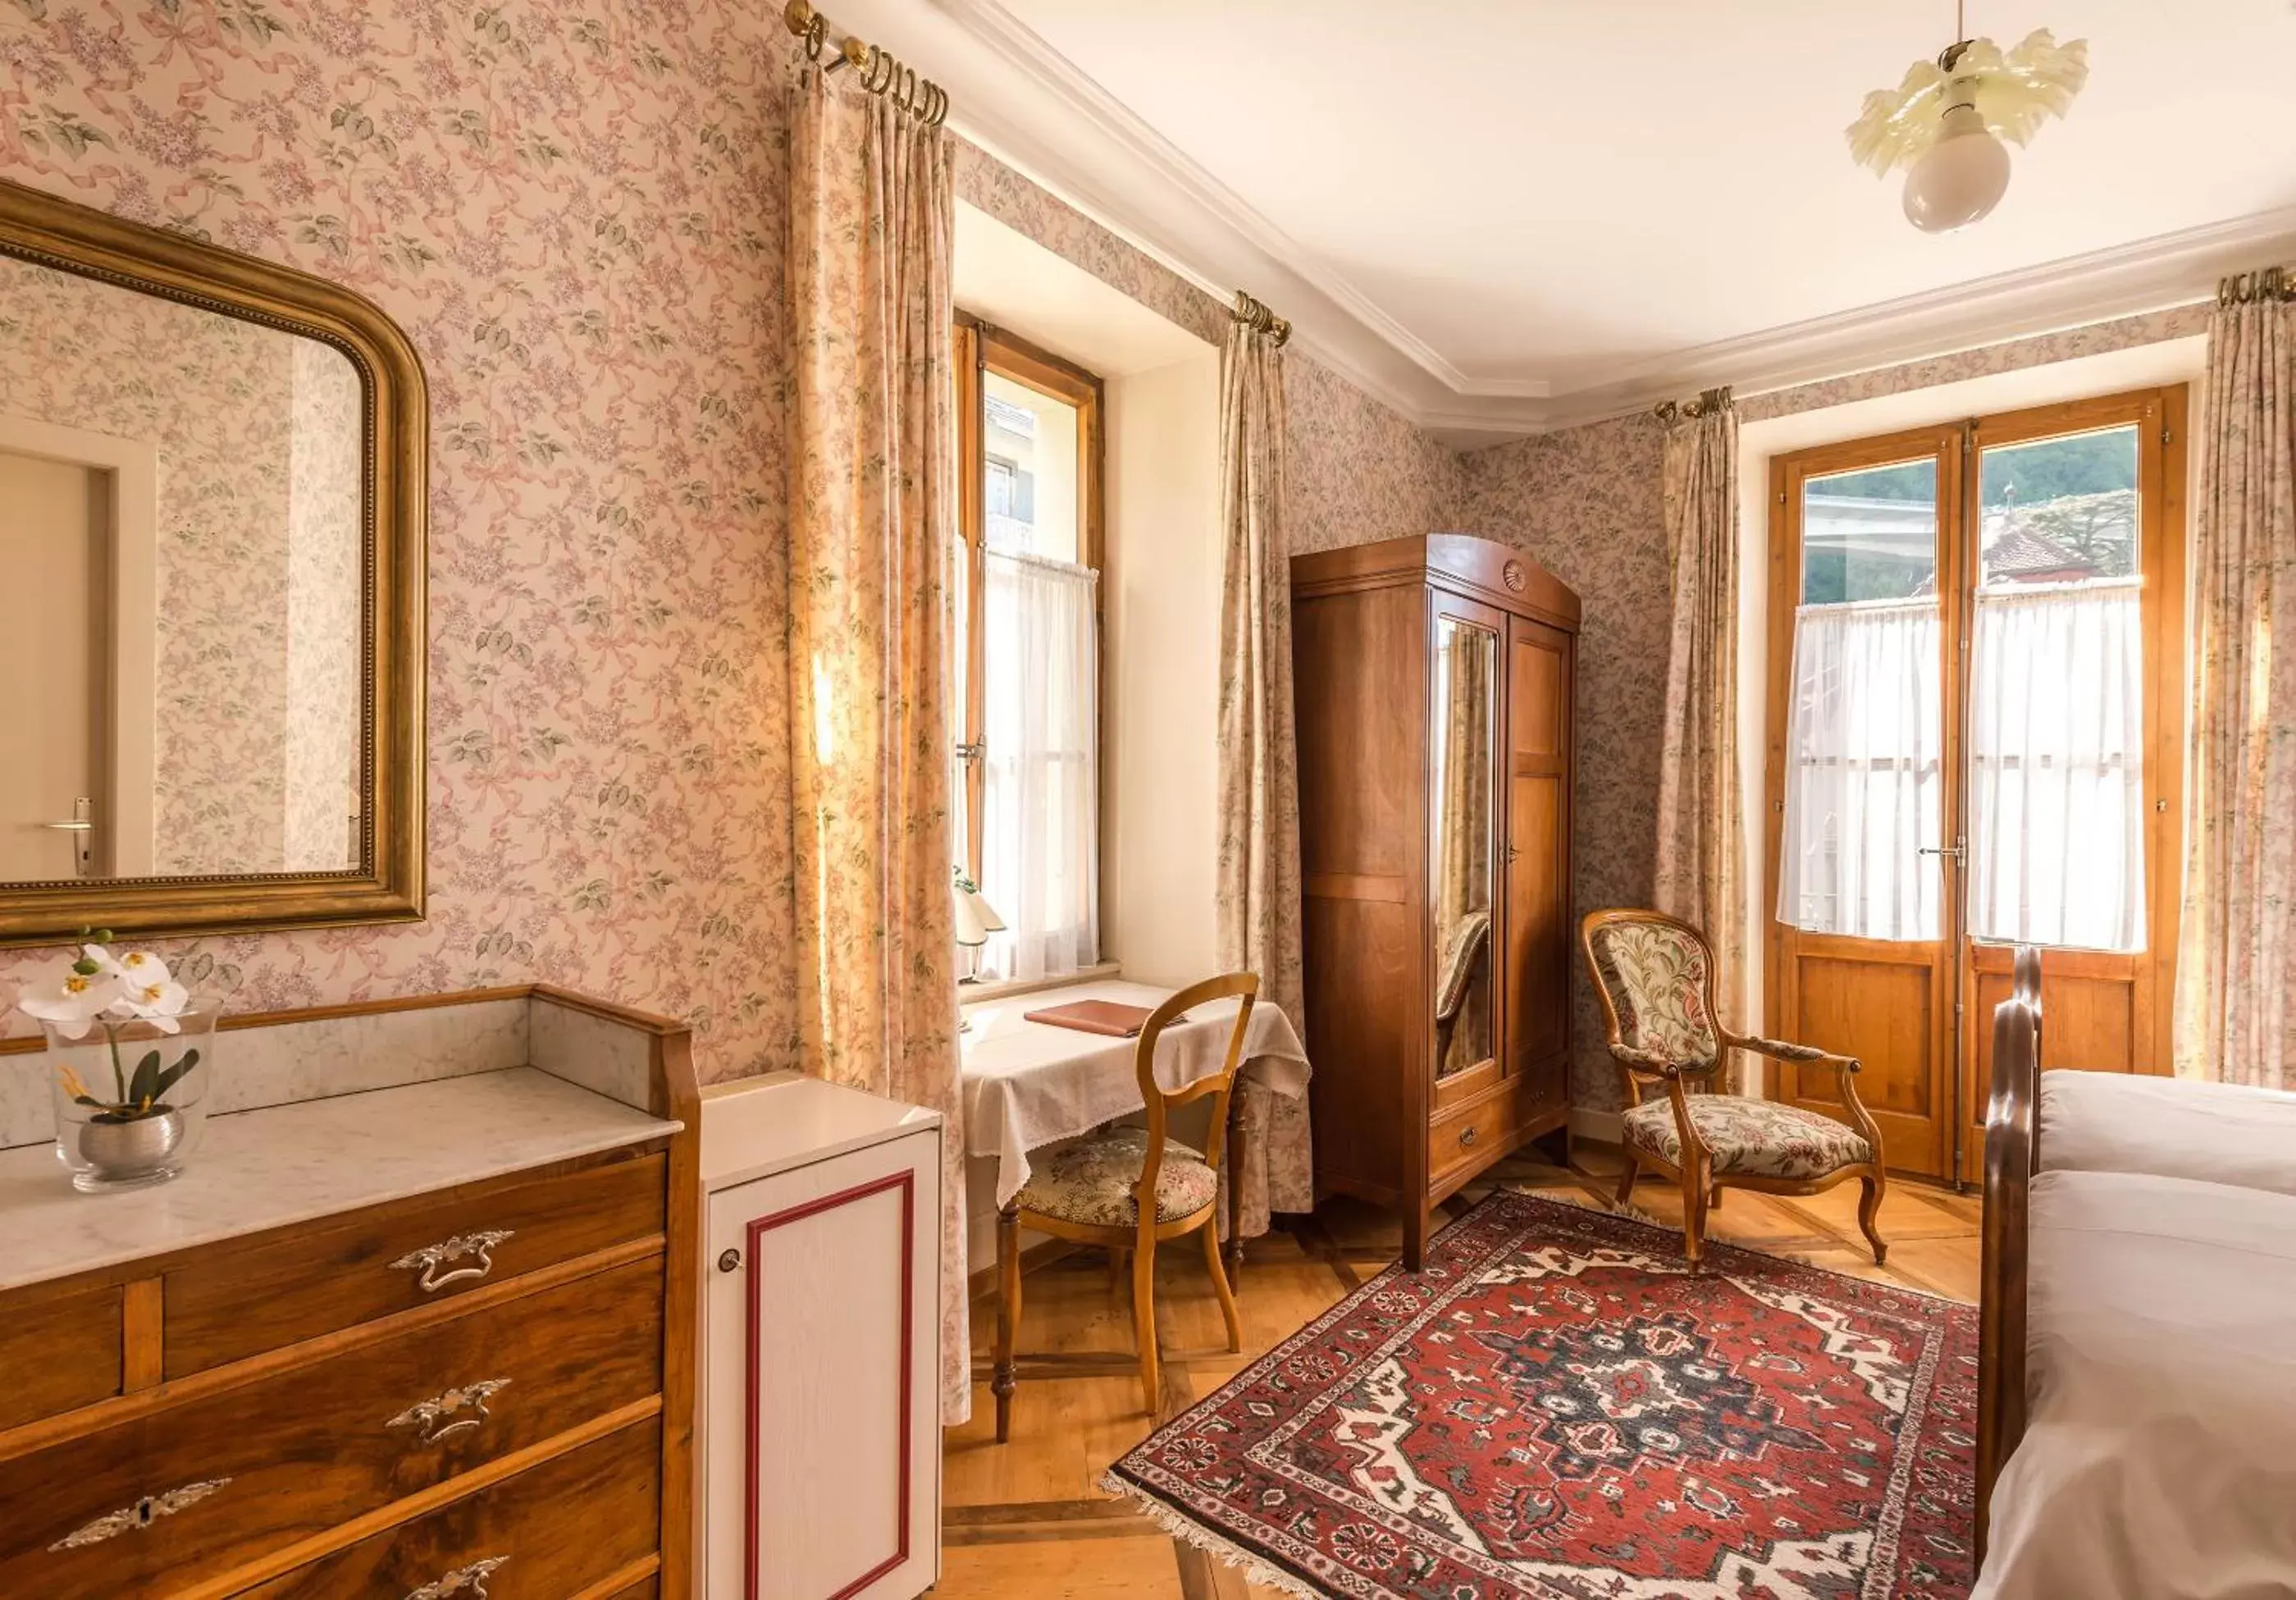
{"x":1781,"y":1050}
{"x":1660,"y":1066}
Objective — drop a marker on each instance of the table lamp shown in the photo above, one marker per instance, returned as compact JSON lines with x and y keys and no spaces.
{"x":976,"y":920}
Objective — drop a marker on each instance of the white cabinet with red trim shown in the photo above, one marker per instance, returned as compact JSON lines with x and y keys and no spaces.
{"x":820,"y":1408}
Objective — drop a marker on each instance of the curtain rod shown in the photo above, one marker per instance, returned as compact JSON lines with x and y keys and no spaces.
{"x":1712,"y":400}
{"x":2272,"y":283}
{"x":880,"y":72}
{"x":1253,"y":314}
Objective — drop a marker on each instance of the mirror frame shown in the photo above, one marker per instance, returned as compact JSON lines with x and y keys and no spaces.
{"x":387,"y":886}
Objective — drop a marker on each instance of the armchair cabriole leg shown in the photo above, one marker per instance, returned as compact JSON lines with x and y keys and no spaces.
{"x":1694,"y":1212}
{"x":1869,"y":1214}
{"x":1626,"y":1194}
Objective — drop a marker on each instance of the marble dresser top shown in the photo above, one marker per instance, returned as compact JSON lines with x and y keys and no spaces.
{"x":257,"y":1170}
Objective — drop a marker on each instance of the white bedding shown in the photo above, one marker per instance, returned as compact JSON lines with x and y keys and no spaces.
{"x":2159,"y":1461}
{"x":2174,"y":1128}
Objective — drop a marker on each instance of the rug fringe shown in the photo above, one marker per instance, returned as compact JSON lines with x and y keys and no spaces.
{"x":1188,"y":1530}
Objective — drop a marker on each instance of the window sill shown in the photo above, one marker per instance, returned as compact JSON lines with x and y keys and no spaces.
{"x":967,"y":993}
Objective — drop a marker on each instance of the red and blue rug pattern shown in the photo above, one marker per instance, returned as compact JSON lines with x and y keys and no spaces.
{"x":1556,"y":1407}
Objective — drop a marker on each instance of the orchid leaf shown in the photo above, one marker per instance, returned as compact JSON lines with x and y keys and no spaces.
{"x":142,"y":1088}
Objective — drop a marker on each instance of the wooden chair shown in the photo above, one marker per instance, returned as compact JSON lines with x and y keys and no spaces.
{"x":1125,"y":1189}
{"x":1656,"y":975}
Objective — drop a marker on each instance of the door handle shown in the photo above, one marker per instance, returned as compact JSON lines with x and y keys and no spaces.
{"x":70,"y":827}
{"x":1954,"y":851}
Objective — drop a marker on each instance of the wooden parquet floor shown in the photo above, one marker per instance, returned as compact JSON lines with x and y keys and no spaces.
{"x":1027,"y":1519}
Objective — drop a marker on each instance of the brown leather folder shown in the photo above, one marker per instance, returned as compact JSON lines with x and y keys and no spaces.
{"x":1096,"y":1016}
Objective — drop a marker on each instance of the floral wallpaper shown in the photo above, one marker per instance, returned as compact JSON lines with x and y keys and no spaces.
{"x":576,"y":212}
{"x":214,"y":398}
{"x":1585,"y":504}
{"x":1357,"y":471}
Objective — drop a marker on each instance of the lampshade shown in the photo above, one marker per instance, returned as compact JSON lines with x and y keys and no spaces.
{"x":976,"y":918}
{"x":1959,"y":179}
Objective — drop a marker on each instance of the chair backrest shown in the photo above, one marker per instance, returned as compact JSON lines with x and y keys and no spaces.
{"x":1654,"y":974}
{"x":1161,"y":1101}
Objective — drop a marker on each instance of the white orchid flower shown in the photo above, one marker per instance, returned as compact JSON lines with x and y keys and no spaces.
{"x":104,"y":960}
{"x":73,"y":1003}
{"x":157,"y":1002}
{"x":137,"y":967}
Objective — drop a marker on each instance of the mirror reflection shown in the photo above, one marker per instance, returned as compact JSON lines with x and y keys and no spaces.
{"x":1466,"y":738}
{"x":181,"y":541}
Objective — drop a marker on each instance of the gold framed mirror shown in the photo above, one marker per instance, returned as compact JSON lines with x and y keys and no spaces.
{"x":212,"y":543}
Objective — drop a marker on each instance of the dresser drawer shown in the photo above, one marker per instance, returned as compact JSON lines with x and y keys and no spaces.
{"x":1469,"y":1135}
{"x":58,"y":1351}
{"x":258,"y":1466}
{"x":550,"y":1532}
{"x":231,"y":1303}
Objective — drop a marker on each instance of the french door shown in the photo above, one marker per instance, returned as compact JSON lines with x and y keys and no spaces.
{"x":1975,"y":740}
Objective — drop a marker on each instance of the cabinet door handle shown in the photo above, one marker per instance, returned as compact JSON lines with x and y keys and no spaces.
{"x":146,"y":1511}
{"x":430,"y":1417}
{"x":431,"y":1257}
{"x":470,"y":1581}
{"x":1467,"y":1135}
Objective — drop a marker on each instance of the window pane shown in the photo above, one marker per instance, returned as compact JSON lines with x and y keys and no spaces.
{"x":2059,"y":510}
{"x":1030,"y":450}
{"x":1864,"y":752}
{"x":1870,"y":535}
{"x":2056,"y":778}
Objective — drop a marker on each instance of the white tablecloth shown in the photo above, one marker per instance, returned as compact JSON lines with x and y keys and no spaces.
{"x":1029,"y":1085}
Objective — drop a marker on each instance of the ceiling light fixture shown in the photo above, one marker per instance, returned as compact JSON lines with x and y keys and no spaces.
{"x":1946,"y":121}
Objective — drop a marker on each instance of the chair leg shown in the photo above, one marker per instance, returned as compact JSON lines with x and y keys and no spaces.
{"x":1694,"y":1212}
{"x":1143,"y":1318}
{"x":1210,"y":1231}
{"x":1120,"y":1263}
{"x":1869,"y":1214}
{"x":1008,"y":1315}
{"x":1714,"y":1198}
{"x":1626,"y":1194}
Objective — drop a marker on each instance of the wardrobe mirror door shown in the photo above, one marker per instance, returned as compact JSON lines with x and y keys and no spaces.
{"x":1465,"y":736}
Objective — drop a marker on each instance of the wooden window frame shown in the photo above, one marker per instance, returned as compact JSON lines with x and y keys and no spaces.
{"x":982,"y":349}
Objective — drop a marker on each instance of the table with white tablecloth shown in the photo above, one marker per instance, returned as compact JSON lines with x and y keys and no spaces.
{"x":1027,"y":1085}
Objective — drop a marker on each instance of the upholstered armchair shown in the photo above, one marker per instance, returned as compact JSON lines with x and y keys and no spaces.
{"x":1656,"y":975}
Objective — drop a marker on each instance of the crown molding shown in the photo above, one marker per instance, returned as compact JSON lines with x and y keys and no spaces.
{"x":1019,"y":98}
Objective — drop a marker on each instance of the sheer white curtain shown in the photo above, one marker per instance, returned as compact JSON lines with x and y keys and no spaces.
{"x":1041,"y":837}
{"x":1865,"y":779}
{"x":2057,"y":773}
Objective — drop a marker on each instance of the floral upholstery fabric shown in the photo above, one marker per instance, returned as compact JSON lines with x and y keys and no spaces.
{"x":1657,"y":979}
{"x":1748,"y":1138}
{"x":1090,"y":1181}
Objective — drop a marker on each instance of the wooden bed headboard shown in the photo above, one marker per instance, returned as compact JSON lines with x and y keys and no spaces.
{"x":2012,"y":1154}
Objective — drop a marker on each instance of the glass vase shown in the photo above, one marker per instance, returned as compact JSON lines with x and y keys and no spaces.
{"x":130,"y":1098}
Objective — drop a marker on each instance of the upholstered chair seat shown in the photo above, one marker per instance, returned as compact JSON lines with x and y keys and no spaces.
{"x":1092,"y":1181}
{"x":1750,"y":1139}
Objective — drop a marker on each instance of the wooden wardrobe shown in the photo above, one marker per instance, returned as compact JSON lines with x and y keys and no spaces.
{"x":1433,"y":677}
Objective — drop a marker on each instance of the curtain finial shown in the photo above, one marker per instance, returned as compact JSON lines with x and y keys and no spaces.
{"x":1253,"y":314}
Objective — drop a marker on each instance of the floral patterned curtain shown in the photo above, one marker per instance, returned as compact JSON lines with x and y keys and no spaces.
{"x":871,"y":510}
{"x":2236,"y":1006}
{"x":1259,"y":880}
{"x":1700,"y":875}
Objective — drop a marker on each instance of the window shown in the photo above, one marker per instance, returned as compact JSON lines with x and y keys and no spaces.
{"x":1028,"y":678}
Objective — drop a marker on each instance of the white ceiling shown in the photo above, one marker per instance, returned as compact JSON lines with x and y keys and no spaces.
{"x":1503,"y":215}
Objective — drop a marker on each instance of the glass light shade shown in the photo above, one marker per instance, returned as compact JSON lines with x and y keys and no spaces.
{"x":1959,"y":179}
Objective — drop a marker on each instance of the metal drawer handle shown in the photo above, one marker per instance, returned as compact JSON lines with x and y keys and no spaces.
{"x":146,"y":1511}
{"x":431,"y":1257}
{"x":1467,"y":1135}
{"x":431,"y":1415}
{"x":470,"y":1581}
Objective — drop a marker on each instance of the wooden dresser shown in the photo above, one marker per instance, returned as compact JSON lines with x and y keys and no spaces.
{"x":1433,"y":680}
{"x":428,"y":1341}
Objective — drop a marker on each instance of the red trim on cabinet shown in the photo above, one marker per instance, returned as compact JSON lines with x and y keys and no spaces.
{"x":905,"y":1181}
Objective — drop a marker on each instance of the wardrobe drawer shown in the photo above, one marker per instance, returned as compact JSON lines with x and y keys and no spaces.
{"x":231,"y":1303}
{"x":58,"y":1351}
{"x":227,"y":1477}
{"x":550,"y":1532}
{"x":1470,"y":1134}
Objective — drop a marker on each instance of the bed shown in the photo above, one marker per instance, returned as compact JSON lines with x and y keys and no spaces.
{"x":2137,"y":1404}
